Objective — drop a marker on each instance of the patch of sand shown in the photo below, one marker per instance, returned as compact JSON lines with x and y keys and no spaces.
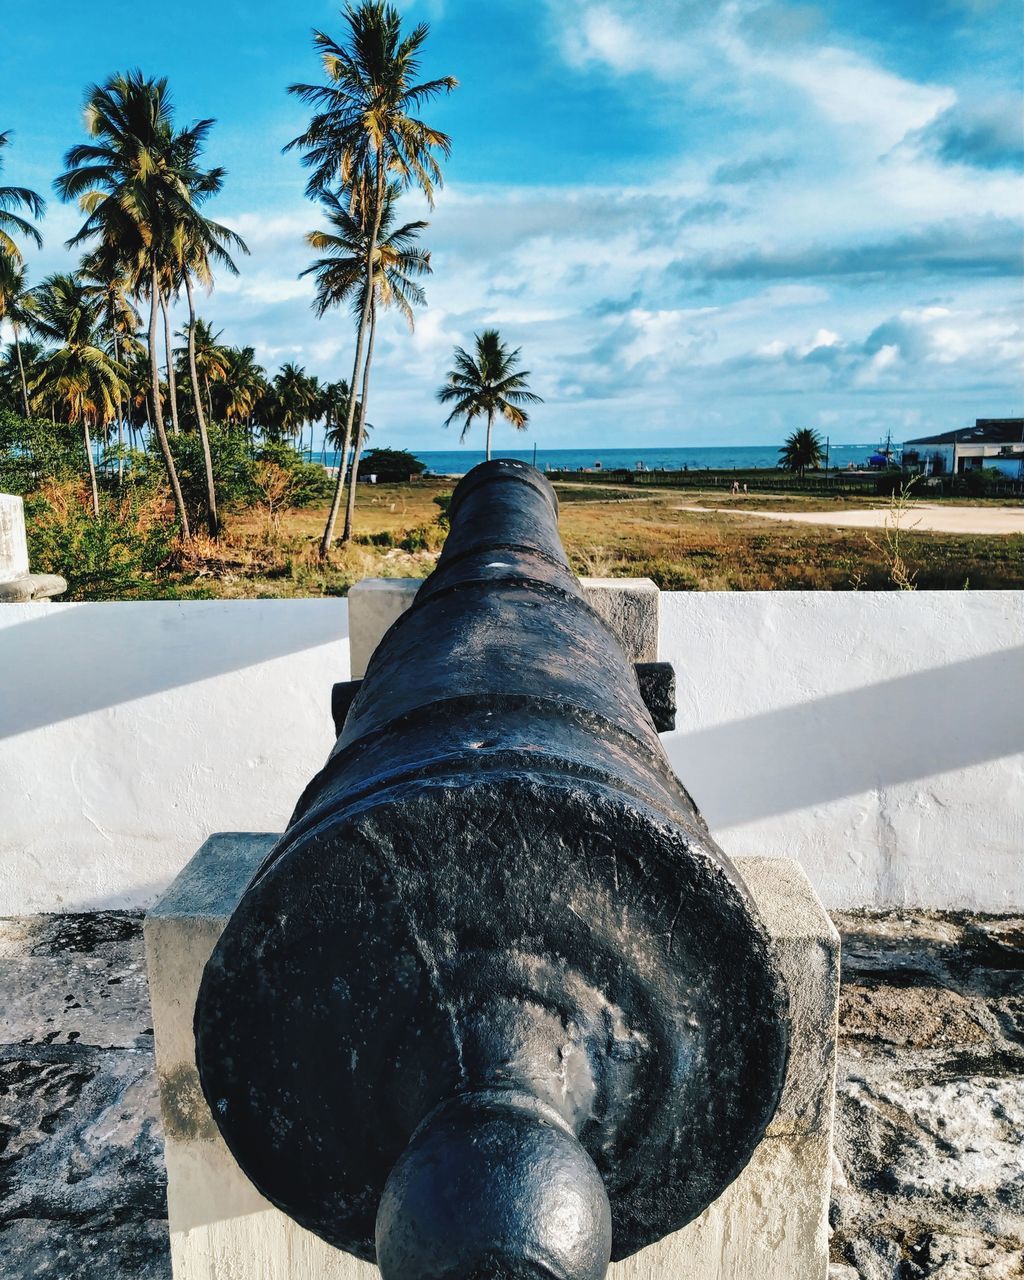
{"x":921,"y":517}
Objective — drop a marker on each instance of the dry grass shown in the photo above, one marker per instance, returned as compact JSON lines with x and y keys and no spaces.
{"x":608,"y":532}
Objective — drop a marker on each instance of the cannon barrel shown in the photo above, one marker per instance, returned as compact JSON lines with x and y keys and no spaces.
{"x":496,"y":1006}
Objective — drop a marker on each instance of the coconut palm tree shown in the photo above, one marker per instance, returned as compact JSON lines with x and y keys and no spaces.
{"x":802,"y":450}
{"x":487,"y":385}
{"x":17,"y":303}
{"x":136,"y":181}
{"x":363,"y":135}
{"x":340,"y":278}
{"x":204,"y":351}
{"x":19,"y":367}
{"x":107,"y":285}
{"x":11,"y":222}
{"x":294,"y":396}
{"x":198,"y":242}
{"x":244,"y":386}
{"x":79,"y":375}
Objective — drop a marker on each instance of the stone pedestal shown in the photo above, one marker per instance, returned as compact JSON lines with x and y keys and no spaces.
{"x":770,"y":1224}
{"x":17,"y":584}
{"x":630,"y":606}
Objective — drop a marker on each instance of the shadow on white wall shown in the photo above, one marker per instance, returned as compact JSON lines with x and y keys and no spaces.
{"x":881,"y":735}
{"x":63,"y":661}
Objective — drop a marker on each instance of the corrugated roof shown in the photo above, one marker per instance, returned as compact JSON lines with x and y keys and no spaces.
{"x":984,"y":431}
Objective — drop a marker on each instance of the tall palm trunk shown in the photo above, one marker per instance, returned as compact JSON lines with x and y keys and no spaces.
{"x":211,"y":493}
{"x":490,"y":430}
{"x":172,"y":387}
{"x":209,"y":397}
{"x":92,"y":467}
{"x":120,"y":422}
{"x":364,"y":320}
{"x":350,"y":509}
{"x":158,"y":412}
{"x":21,"y":371}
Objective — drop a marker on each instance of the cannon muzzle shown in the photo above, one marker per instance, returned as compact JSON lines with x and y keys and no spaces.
{"x":496,"y":1007}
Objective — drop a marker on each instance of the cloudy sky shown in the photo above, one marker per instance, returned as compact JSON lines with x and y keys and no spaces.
{"x":705,"y":223}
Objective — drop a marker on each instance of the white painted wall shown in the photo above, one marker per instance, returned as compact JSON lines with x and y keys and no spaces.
{"x":130,"y":731}
{"x":877,"y":738}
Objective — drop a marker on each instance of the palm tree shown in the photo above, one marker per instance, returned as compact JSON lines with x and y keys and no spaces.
{"x":199,"y":242}
{"x":363,"y":136}
{"x":243,"y":387}
{"x":107,"y":285}
{"x":17,"y":304}
{"x":487,"y":384}
{"x":203,"y":350}
{"x":79,"y":375}
{"x":12,"y":223}
{"x":136,"y":182}
{"x":340,"y":277}
{"x":802,"y":450}
{"x":18,"y":371}
{"x":294,"y":395}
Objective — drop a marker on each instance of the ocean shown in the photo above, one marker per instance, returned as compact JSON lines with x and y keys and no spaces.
{"x":456,"y":462}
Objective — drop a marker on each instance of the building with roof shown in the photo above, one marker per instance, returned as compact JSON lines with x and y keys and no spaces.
{"x":992,"y":443}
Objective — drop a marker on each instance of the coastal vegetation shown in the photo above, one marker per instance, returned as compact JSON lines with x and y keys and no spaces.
{"x":162,"y":463}
{"x":93,"y":347}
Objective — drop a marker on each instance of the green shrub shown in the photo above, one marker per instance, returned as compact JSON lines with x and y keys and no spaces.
{"x":444,"y":501}
{"x":124,"y":554}
{"x":889,"y":482}
{"x":423,"y":537}
{"x":978,"y":480}
{"x":391,"y":466}
{"x":34,"y":450}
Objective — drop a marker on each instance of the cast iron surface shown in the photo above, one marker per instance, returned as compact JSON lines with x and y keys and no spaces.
{"x":496,"y":1005}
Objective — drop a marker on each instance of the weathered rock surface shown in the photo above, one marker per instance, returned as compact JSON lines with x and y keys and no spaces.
{"x":82,"y":1189}
{"x":928,"y":1178}
{"x":930,"y":1108}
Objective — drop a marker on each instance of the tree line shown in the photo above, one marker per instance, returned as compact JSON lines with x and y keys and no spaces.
{"x":94,"y":347}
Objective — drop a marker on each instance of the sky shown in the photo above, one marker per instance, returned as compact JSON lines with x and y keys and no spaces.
{"x":703,"y":221}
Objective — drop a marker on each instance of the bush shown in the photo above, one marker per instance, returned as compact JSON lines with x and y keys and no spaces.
{"x":444,"y":501}
{"x":309,"y":483}
{"x":423,"y":537}
{"x":241,"y":476}
{"x":33,"y":450}
{"x":978,"y":480}
{"x":889,"y":482}
{"x":122,"y":555}
{"x":391,"y":466}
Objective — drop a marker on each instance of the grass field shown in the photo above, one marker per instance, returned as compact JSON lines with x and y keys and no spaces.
{"x":611,"y":531}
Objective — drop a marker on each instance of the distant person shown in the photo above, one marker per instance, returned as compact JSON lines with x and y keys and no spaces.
{"x":744,"y":490}
{"x":735,"y":487}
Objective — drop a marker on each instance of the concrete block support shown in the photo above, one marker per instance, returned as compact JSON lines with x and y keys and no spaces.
{"x":17,"y":584}
{"x":771,"y":1224}
{"x":631,"y":606}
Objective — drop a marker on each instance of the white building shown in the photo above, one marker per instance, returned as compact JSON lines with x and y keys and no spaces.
{"x":992,"y":443}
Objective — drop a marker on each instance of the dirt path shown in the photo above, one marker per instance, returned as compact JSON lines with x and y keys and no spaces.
{"x":921,"y":517}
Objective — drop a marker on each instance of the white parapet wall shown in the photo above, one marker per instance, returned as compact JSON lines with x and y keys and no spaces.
{"x":130,"y":731}
{"x":876,"y":738}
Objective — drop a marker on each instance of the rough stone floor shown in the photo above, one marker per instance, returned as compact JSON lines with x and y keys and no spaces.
{"x":929,"y":1173}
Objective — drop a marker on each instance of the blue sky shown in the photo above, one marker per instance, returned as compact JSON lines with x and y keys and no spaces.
{"x":703,"y":222}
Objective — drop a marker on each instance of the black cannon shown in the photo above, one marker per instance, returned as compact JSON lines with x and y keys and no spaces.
{"x":496,"y":1006}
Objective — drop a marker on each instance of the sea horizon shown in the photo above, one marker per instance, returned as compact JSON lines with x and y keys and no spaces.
{"x":456,"y":462}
